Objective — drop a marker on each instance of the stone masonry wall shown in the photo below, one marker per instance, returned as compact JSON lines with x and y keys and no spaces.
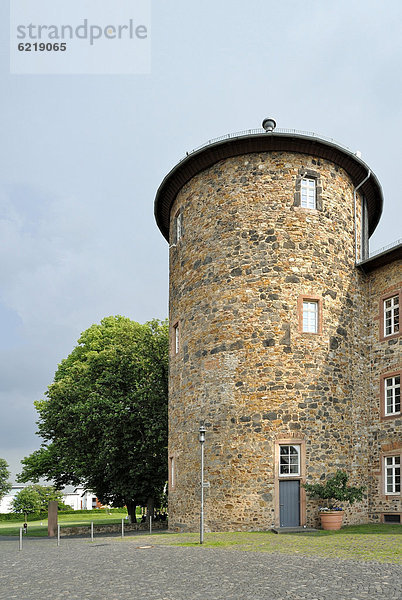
{"x":385,"y":357}
{"x":247,"y":257}
{"x":110,"y":528}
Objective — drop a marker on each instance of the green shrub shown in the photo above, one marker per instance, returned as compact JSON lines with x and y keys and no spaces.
{"x":335,"y":490}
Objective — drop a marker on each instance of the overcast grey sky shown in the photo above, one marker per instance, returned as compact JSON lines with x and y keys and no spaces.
{"x":81,"y":158}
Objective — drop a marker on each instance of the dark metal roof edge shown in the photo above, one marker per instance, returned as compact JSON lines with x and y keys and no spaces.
{"x":379,"y":260}
{"x":188,"y":162}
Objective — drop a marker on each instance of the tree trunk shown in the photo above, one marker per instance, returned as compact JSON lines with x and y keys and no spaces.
{"x":150,"y":508}
{"x":131,"y":509}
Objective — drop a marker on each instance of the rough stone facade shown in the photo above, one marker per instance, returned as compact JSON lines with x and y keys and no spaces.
{"x":385,"y":359}
{"x":246,"y":258}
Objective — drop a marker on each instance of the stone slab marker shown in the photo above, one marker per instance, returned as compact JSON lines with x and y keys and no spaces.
{"x":52,"y":518}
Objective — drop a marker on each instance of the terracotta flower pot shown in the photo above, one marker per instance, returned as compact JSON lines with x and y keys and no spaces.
{"x":332,"y":519}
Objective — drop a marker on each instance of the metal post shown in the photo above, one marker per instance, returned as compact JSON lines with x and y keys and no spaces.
{"x":122,"y":528}
{"x":58,"y":534}
{"x":20,"y":542}
{"x":202,"y":440}
{"x":202,"y":496}
{"x":92,"y":531}
{"x":150,"y":523}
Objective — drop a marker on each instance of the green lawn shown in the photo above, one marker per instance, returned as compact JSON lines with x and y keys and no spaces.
{"x":39,"y":528}
{"x":363,"y":542}
{"x":359,"y":542}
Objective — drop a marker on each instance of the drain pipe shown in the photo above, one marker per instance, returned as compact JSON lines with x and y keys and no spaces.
{"x":355,"y":211}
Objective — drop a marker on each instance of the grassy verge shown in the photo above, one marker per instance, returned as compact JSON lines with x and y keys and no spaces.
{"x":363,"y":543}
{"x":360,"y":542}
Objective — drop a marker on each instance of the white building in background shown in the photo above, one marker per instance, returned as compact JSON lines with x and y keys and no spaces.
{"x":81,"y":499}
{"x":78,"y":499}
{"x":6,"y":501}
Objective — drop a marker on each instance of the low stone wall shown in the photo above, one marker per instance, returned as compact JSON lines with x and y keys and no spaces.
{"x":112,"y":528}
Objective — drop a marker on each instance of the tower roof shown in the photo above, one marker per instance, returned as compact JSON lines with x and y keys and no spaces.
{"x":258,"y":140}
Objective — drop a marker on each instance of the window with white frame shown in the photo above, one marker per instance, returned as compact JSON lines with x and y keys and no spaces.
{"x":393,"y":474}
{"x":391,"y":315}
{"x":392,"y":388}
{"x":310,"y":316}
{"x":289,"y":461}
{"x":308,"y":193}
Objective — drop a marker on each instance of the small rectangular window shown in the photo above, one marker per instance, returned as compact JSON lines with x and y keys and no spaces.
{"x":391,"y":315}
{"x":392,"y":518}
{"x":178,"y":226}
{"x":176,"y":338}
{"x":172,"y":475}
{"x":392,"y":474}
{"x":392,"y":390}
{"x":289,"y":461}
{"x":310,"y":316}
{"x":308,"y":189}
{"x":308,"y":193}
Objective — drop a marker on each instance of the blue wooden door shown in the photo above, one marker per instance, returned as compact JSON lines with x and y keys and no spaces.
{"x":289,"y":503}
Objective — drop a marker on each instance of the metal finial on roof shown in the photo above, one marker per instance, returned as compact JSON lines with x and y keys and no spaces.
{"x":269,"y":125}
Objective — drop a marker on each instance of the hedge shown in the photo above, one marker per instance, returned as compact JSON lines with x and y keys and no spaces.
{"x":43,"y":515}
{"x":21,"y":516}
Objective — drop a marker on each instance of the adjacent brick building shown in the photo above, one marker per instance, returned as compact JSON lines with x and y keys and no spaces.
{"x":285,"y":336}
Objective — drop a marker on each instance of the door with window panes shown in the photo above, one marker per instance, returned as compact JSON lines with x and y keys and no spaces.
{"x":289,"y":485}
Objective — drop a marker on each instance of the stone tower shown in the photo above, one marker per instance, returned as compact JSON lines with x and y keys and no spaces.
{"x":268,"y":326}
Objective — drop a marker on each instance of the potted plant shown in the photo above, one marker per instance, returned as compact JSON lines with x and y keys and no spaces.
{"x":334,"y":491}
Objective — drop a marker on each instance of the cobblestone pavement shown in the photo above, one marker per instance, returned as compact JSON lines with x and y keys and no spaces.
{"x":112,"y":569}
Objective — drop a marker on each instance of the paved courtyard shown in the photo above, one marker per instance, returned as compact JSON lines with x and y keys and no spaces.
{"x":112,"y":569}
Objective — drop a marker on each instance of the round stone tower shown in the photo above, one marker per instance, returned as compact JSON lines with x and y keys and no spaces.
{"x":266,"y":319}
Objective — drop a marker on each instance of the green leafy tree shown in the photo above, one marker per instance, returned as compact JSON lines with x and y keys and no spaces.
{"x":104,"y":419}
{"x":26,"y":501}
{"x":5,"y":485}
{"x":35,"y":499}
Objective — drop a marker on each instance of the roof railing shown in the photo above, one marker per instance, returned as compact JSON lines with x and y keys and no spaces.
{"x":260,"y":131}
{"x":385,"y":248}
